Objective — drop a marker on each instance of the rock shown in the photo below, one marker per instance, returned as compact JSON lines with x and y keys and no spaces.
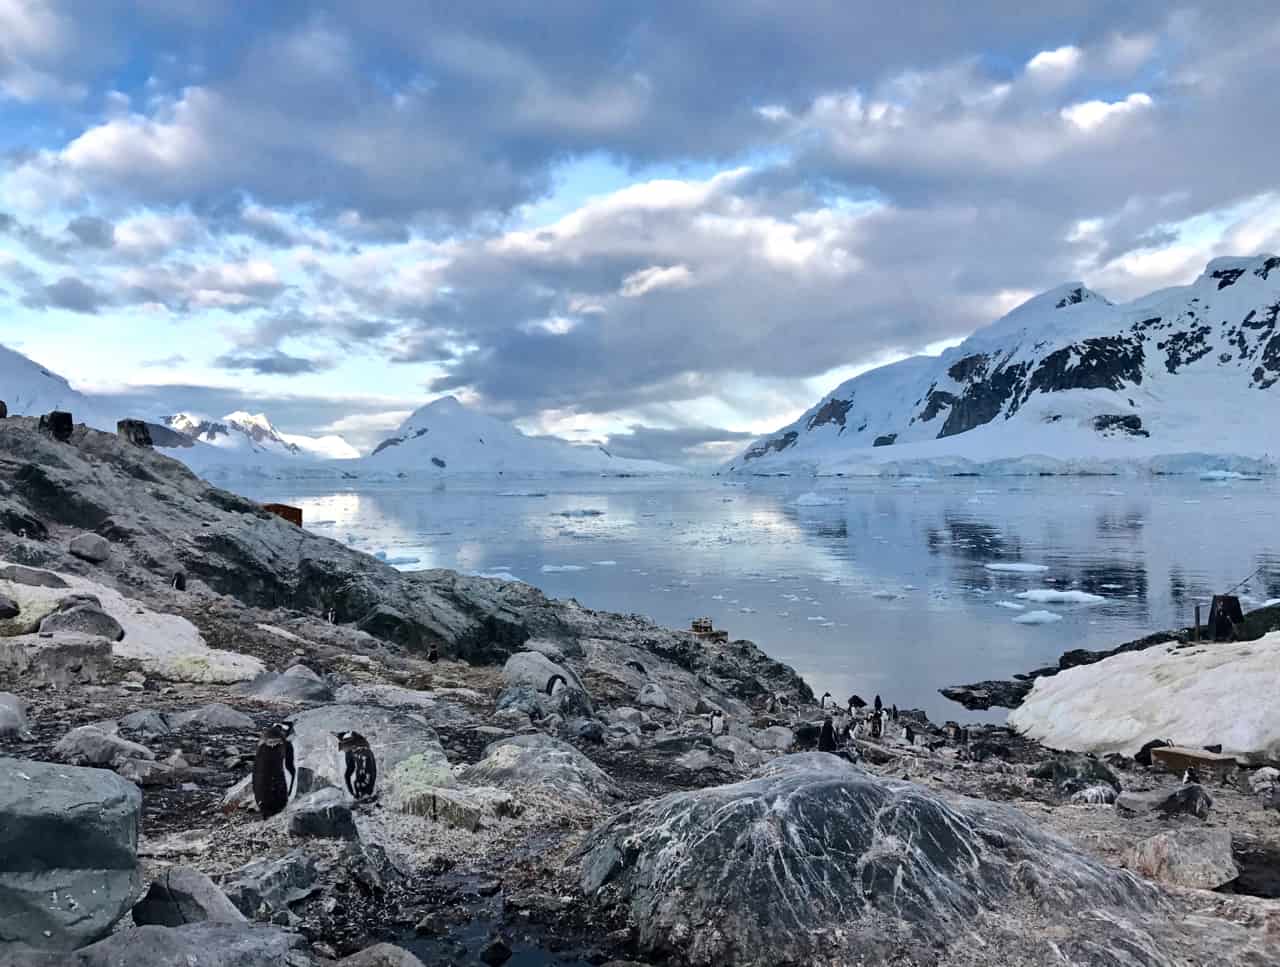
{"x":91,"y":548}
{"x":625,"y":713}
{"x":652,"y":695}
{"x":394,"y":736}
{"x":214,"y":717}
{"x":58,"y":424}
{"x":382,"y":955}
{"x":522,"y":698}
{"x":208,"y":944}
{"x":90,"y":745}
{"x":778,"y":738}
{"x":290,"y":686}
{"x":145,"y":773}
{"x":536,"y":670}
{"x":543,"y":762}
{"x":147,"y":722}
{"x":549,"y":649}
{"x":989,"y":694}
{"x":586,"y":730}
{"x":69,"y":840}
{"x":322,"y":815}
{"x":745,"y":755}
{"x":817,"y":861}
{"x":389,"y":696}
{"x":8,"y":608}
{"x":1072,"y":773}
{"x":698,"y":760}
{"x":267,"y":886}
{"x":31,"y":577}
{"x":390,"y":624}
{"x":496,"y":952}
{"x":1189,"y":800}
{"x":84,"y":619}
{"x":1143,"y":756}
{"x":1177,"y":759}
{"x":59,"y":660}
{"x":135,"y":432}
{"x":182,"y":895}
{"x":454,"y":807}
{"x":1196,"y":858}
{"x":13,"y":714}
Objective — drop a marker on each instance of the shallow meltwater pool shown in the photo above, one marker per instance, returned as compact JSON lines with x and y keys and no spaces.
{"x":895,"y":587}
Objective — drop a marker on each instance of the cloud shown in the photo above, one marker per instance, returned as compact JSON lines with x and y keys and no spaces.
{"x":271,"y":364}
{"x":92,"y":232}
{"x":1089,"y":114}
{"x":681,"y":446}
{"x":67,"y":293}
{"x":164,"y":363}
{"x":646,"y":280}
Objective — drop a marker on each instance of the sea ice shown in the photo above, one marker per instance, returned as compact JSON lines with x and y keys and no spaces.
{"x":605,"y":563}
{"x":812,"y":499}
{"x":585,"y":512}
{"x":561,"y":568}
{"x":1017,"y":568}
{"x":1037,"y":618}
{"x":1011,"y":605}
{"x":1053,"y":596}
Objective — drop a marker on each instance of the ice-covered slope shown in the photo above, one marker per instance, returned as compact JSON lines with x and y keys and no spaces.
{"x":28,"y":389}
{"x":1183,"y":379}
{"x":445,"y":437}
{"x":243,"y":443}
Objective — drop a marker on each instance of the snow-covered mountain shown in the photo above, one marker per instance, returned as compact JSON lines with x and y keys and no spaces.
{"x":255,"y":433}
{"x":28,"y":389}
{"x":1183,"y":379}
{"x":445,"y":437}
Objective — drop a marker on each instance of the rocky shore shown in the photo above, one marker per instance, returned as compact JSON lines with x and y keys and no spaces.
{"x":664,"y":804}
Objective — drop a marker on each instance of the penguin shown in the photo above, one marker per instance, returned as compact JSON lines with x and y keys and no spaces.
{"x":551,"y":683}
{"x":717,"y":722}
{"x":433,"y":655}
{"x":893,"y":713}
{"x":179,"y":582}
{"x":637,"y":666}
{"x":910,"y":735}
{"x":856,"y":702}
{"x":877,"y":723}
{"x":273,"y":769}
{"x":360,"y":771}
{"x":822,"y":703}
{"x":827,"y":737}
{"x":879,"y":705}
{"x":1190,"y":776}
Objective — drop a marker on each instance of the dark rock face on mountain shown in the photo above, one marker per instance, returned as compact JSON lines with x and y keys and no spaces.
{"x":1068,"y":339}
{"x":820,"y":862}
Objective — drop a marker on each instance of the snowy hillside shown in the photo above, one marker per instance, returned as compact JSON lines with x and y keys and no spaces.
{"x":254,"y":433}
{"x":445,"y":437}
{"x":1182,"y":380}
{"x":28,"y":389}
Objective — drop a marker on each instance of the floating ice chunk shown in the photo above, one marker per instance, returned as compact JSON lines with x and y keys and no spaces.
{"x":561,"y":568}
{"x":497,"y":575}
{"x":523,"y":493}
{"x":1271,"y":602}
{"x":812,"y":499}
{"x":1017,"y":568}
{"x":584,"y":512}
{"x":1227,"y":475}
{"x":827,"y":624}
{"x":886,"y":595}
{"x":1037,"y":618}
{"x":747,"y":610}
{"x":605,"y":563}
{"x":402,"y":561}
{"x":1011,"y":605}
{"x":817,"y":617}
{"x":1054,"y":596}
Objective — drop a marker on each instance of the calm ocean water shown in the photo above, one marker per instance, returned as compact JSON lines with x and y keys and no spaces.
{"x":872,"y":586}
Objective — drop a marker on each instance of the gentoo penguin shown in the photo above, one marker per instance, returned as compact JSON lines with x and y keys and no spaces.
{"x":822,"y":703}
{"x":1190,"y":776}
{"x":877,"y":723}
{"x":717,"y":722}
{"x":879,"y":704}
{"x":273,"y":771}
{"x":893,"y":713}
{"x":827,"y":737}
{"x":551,"y":683}
{"x":360,"y":772}
{"x":433,"y":655}
{"x":910,"y":735}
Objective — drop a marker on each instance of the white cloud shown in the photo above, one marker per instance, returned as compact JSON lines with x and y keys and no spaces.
{"x":1088,"y":115}
{"x":1055,"y":66}
{"x":655,"y":277}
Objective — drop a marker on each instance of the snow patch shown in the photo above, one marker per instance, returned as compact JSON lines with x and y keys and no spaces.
{"x":1054,"y":596}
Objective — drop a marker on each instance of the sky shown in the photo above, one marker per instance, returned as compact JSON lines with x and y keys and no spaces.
{"x":670,"y":227}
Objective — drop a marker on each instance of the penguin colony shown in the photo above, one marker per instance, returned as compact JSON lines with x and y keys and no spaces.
{"x":275,"y":776}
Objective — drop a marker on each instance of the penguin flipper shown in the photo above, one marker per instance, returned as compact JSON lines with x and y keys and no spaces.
{"x":289,"y":767}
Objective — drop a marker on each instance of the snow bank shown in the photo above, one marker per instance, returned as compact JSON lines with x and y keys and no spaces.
{"x":1054,"y":596}
{"x":1037,"y":618}
{"x":1195,"y":696}
{"x":166,"y":645}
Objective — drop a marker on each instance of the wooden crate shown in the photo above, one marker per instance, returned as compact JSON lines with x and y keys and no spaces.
{"x":292,"y":514}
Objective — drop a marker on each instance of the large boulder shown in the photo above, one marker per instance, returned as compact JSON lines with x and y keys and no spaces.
{"x":90,"y":745}
{"x":817,"y":861}
{"x":31,"y":577}
{"x":215,"y":717}
{"x":394,"y":736}
{"x":540,"y":761}
{"x":535,"y":669}
{"x":297,"y":684}
{"x":83,"y":619}
{"x":382,"y":955}
{"x":208,"y":944}
{"x":56,"y":659}
{"x":324,"y":814}
{"x":1188,"y":856}
{"x":1072,"y":773}
{"x":13,"y":714}
{"x":68,"y":853}
{"x":182,"y":895}
{"x":91,"y":548}
{"x":268,"y":886}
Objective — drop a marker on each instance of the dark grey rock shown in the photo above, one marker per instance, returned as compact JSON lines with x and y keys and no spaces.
{"x":817,"y":861}
{"x":8,"y":608}
{"x":322,"y":815}
{"x":60,"y":659}
{"x":289,"y":686}
{"x":382,"y":955}
{"x":147,"y":722}
{"x":13,"y":714}
{"x":207,"y":944}
{"x":91,"y":548}
{"x":1072,"y":773}
{"x":1193,"y":857}
{"x":215,"y":717}
{"x":394,"y":736}
{"x":586,"y":730}
{"x":496,"y":952}
{"x":542,"y":761}
{"x":90,"y":745}
{"x":68,"y":853}
{"x":652,"y":695}
{"x":136,"y":432}
{"x":31,"y":577}
{"x":58,"y":424}
{"x":1143,"y":758}
{"x":1188,"y":800}
{"x":83,"y":619}
{"x":523,"y":698}
{"x":182,"y":895}
{"x":269,"y":886}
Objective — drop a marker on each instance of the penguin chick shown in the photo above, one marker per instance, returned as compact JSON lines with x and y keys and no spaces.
{"x":360,"y":771}
{"x":273,"y":769}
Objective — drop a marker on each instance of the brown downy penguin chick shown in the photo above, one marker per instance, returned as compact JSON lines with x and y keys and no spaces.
{"x":273,"y":770}
{"x":360,"y":771}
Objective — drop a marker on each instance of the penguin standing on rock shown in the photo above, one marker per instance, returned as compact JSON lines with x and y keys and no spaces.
{"x":827,"y":737}
{"x":717,"y":722}
{"x":879,"y":705}
{"x":360,"y":771}
{"x":433,"y":655}
{"x":273,"y":769}
{"x":822,"y":703}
